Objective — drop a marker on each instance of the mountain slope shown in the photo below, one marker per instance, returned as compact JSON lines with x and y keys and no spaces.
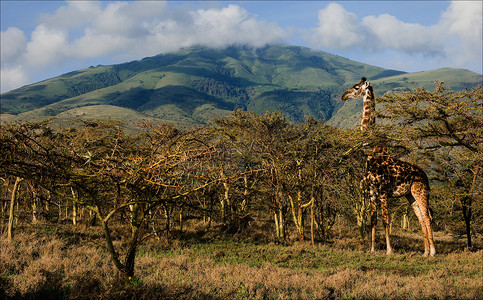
{"x":194,"y":85}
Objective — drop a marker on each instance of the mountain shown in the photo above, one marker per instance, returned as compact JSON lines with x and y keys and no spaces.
{"x":195,"y":85}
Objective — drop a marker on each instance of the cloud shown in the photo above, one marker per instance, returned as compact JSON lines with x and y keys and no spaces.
{"x":461,"y":25}
{"x":340,"y":29}
{"x":139,"y":32}
{"x":129,"y":19}
{"x":456,"y":39}
{"x":46,"y":46}
{"x":73,"y":15}
{"x":144,"y":28}
{"x":12,"y":42}
{"x":13,"y":78}
{"x":337,"y":28}
{"x":389,"y":32}
{"x":81,"y":30}
{"x":233,"y":25}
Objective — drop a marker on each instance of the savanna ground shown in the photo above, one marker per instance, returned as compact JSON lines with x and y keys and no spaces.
{"x":51,"y":261}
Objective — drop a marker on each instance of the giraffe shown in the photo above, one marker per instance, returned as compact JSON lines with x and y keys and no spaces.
{"x":387,"y":177}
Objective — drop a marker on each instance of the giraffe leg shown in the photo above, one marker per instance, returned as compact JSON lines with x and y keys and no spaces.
{"x":385,"y":220}
{"x":373,"y":220}
{"x":421,"y":194}
{"x":417,"y":212}
{"x":419,"y":202}
{"x":432,"y":249}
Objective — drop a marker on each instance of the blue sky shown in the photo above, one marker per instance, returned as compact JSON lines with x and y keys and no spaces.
{"x":42,"y":39}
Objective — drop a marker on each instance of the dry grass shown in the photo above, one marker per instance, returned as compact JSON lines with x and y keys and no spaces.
{"x":36,"y":264}
{"x":74,"y":265}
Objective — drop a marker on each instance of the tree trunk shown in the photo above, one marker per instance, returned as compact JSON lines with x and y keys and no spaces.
{"x":47,"y":207}
{"x":312,"y":220}
{"x":360,"y":210}
{"x":296,"y":219}
{"x":59,"y":211}
{"x":301,"y":219}
{"x":279,"y":224}
{"x":126,"y":270}
{"x":34,"y":209}
{"x":246,"y":192}
{"x":297,"y":214}
{"x":137,"y":219}
{"x":129,"y":261}
{"x":466,"y":203}
{"x":74,"y":213}
{"x":277,"y":227}
{"x":222,"y":209}
{"x":110,"y":246}
{"x":167,"y":214}
{"x":12,"y":205}
{"x":226,"y":199}
{"x":405,"y":221}
{"x":391,"y":221}
{"x":35,"y":199}
{"x":74,"y":207}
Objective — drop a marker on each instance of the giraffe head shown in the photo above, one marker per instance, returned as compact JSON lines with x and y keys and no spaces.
{"x":363,"y":89}
{"x":358,"y":90}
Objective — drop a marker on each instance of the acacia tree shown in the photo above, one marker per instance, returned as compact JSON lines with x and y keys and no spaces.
{"x":111,"y":172}
{"x":258,"y":144}
{"x":346,"y":182}
{"x":446,"y":128}
{"x":83,"y":158}
{"x":292,"y":166}
{"x":311,"y":176}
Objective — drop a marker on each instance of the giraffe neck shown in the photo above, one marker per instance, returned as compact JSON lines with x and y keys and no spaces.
{"x":368,"y":117}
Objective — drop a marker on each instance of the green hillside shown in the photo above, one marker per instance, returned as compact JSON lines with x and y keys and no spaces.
{"x":194,"y":85}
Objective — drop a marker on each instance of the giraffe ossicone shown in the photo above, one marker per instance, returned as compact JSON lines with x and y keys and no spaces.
{"x":387,"y":177}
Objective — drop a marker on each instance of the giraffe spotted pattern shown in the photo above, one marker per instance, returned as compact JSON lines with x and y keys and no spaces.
{"x":387,"y":177}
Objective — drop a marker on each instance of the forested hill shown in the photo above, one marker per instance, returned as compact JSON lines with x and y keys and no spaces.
{"x":195,"y":85}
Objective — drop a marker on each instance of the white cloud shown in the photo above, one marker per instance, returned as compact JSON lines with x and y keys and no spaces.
{"x":47,"y":46}
{"x":464,"y":18}
{"x":118,"y":20}
{"x":337,"y":28}
{"x":146,"y":28}
{"x":232,"y":25}
{"x":389,"y":32}
{"x":94,"y":44}
{"x":13,"y":78}
{"x":73,"y":15}
{"x":12,"y":42}
{"x":12,"y":75}
{"x":461,"y":26}
{"x":340,"y":29}
{"x":455,"y":40}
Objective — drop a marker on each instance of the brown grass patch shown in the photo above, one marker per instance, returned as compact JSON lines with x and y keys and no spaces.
{"x":41,"y":264}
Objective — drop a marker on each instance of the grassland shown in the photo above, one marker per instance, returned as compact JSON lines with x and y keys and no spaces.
{"x":62,"y":261}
